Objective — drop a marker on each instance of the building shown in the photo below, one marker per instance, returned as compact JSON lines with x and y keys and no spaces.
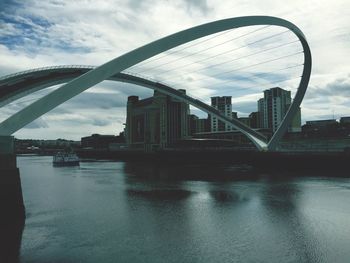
{"x":330,"y":128}
{"x":98,"y":141}
{"x":192,"y":123}
{"x":344,"y":120}
{"x":234,"y":115}
{"x":275,"y":104}
{"x":44,"y":145}
{"x":202,"y":125}
{"x":254,"y":120}
{"x":224,"y":106}
{"x":198,"y":125}
{"x":261,"y":113}
{"x":321,"y":123}
{"x":273,"y":107}
{"x":156,"y":122}
{"x":320,"y":128}
{"x":245,"y":120}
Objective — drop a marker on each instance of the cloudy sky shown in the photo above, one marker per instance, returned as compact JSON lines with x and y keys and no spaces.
{"x":240,"y":63}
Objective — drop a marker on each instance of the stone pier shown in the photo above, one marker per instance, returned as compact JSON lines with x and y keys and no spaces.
{"x":11,"y":200}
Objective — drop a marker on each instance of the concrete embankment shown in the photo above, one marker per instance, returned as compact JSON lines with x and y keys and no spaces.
{"x":261,"y":160}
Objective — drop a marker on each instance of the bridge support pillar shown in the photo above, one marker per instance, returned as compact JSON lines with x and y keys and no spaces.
{"x":11,"y":200}
{"x":12,"y":211}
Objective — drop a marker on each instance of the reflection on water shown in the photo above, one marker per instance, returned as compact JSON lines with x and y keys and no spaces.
{"x":281,"y":201}
{"x":163,"y":195}
{"x":203,"y":171}
{"x":226,"y":196}
{"x":147,"y":212}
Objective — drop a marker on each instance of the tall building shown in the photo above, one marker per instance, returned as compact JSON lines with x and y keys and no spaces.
{"x":273,"y":107}
{"x":262,"y":114}
{"x":156,"y":122}
{"x":224,"y":106}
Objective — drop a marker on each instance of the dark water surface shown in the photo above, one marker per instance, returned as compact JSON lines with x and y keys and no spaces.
{"x":134,"y":212}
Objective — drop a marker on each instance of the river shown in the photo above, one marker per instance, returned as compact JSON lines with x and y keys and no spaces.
{"x":107,"y":211}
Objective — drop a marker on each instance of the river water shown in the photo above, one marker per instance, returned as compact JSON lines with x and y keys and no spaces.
{"x":107,"y":211}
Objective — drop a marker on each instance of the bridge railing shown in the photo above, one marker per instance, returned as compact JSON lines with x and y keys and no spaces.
{"x":161,"y":82}
{"x":44,"y":68}
{"x":85,"y":67}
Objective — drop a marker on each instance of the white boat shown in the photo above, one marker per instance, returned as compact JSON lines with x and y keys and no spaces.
{"x":65,"y":159}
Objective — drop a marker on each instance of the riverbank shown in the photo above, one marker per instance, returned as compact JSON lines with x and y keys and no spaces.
{"x":261,"y":160}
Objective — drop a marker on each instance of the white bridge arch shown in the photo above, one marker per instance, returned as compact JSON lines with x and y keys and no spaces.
{"x":115,"y":66}
{"x":42,"y":78}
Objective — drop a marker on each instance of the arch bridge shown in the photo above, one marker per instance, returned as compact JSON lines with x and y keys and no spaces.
{"x":80,"y":78}
{"x":19,"y":85}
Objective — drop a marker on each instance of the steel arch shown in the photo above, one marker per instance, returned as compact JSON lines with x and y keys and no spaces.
{"x":38,"y":80}
{"x":116,"y":65}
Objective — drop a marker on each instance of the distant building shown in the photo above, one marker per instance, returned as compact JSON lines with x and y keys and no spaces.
{"x":245,"y":120}
{"x":321,"y":128}
{"x":344,"y":120}
{"x":330,"y":128}
{"x":273,"y":107}
{"x":21,"y":145}
{"x":321,"y":123}
{"x":202,"y":125}
{"x":234,"y":115}
{"x":198,"y":125}
{"x":98,"y":141}
{"x":254,"y":120}
{"x":262,"y":113}
{"x":224,"y":106}
{"x":192,"y":123}
{"x":156,"y":122}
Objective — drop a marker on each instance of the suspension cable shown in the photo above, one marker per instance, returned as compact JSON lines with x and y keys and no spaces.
{"x":192,"y":54}
{"x":228,"y":61}
{"x":256,"y":76}
{"x":184,"y":48}
{"x":267,"y":84}
{"x":250,"y":66}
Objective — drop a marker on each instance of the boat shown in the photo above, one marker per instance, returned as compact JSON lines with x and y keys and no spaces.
{"x":65,"y":159}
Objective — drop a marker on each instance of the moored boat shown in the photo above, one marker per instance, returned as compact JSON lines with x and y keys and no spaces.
{"x":65,"y":159}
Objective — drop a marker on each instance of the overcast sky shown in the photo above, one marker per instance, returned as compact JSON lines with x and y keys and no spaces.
{"x":35,"y":33}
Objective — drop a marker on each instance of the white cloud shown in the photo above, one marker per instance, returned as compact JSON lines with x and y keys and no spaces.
{"x":37,"y":33}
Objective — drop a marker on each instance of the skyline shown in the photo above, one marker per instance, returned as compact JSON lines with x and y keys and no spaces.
{"x":34,"y":36}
